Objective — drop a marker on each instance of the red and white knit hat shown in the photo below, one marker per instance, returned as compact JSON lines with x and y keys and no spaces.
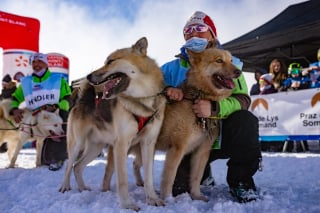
{"x":199,"y":17}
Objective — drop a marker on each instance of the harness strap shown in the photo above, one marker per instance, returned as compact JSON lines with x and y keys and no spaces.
{"x":97,"y":99}
{"x":31,"y":132}
{"x":44,"y":107}
{"x":142,"y":121}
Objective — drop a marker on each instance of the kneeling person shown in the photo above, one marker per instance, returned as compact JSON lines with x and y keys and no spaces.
{"x":44,"y":90}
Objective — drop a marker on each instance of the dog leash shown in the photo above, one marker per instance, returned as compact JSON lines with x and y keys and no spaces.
{"x":23,"y":126}
{"x":11,"y":123}
{"x":34,"y":135}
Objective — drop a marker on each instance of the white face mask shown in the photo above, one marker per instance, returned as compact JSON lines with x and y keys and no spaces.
{"x":196,"y":44}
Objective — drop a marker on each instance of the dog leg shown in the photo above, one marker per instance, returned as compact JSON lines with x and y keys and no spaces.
{"x":120,"y":157}
{"x":73,"y":153}
{"x":198,"y":161}
{"x":15,"y":153}
{"x":137,"y":164}
{"x":108,"y":170}
{"x":147,"y":152}
{"x":173,"y":159}
{"x":11,"y":144}
{"x":39,"y":145}
{"x":91,"y":151}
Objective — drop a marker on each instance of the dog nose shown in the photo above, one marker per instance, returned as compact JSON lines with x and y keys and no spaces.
{"x":93,"y":79}
{"x":237,"y":73}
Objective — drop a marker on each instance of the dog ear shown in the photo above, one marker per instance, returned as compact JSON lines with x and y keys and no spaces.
{"x":57,"y":111}
{"x":141,"y":46}
{"x":212,"y":44}
{"x":194,"y":57}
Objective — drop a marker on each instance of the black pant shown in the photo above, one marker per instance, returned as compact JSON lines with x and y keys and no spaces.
{"x":240,"y":143}
{"x":54,"y":151}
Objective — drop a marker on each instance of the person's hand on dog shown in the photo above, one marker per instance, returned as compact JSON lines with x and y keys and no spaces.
{"x":17,"y":115}
{"x":174,"y":94}
{"x":202,"y":108}
{"x":51,"y":108}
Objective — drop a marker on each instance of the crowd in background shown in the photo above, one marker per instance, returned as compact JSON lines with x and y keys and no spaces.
{"x":280,"y":78}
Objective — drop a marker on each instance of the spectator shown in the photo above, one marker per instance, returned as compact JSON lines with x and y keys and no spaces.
{"x":296,"y":81}
{"x":279,"y":72}
{"x":47,"y":84}
{"x":8,"y":87}
{"x":240,"y":139}
{"x":313,"y":71}
{"x":266,"y":86}
{"x":255,"y":89}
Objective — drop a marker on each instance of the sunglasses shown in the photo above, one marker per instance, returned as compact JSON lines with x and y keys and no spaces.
{"x":200,"y":28}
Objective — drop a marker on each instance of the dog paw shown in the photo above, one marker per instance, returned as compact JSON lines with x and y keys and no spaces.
{"x":131,"y":206}
{"x":155,"y":201}
{"x":64,"y":189}
{"x":139,"y":183}
{"x":199,"y":197}
{"x":105,"y":189}
{"x":10,"y":166}
{"x":84,"y":188}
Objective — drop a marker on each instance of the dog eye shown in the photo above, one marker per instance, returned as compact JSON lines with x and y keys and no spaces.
{"x":108,"y":62}
{"x":219,"y":61}
{"x":55,"y":125}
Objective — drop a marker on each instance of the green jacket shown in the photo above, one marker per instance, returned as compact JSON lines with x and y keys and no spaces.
{"x":65,"y":92}
{"x":238,"y":100}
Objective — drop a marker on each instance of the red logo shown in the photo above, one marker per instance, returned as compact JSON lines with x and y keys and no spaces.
{"x":21,"y":62}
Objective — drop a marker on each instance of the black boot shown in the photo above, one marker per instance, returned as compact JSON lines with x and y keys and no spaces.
{"x":181,"y":182}
{"x":207,"y":178}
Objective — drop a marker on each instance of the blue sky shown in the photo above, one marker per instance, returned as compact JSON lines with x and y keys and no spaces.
{"x":104,"y":9}
{"x":87,"y":31}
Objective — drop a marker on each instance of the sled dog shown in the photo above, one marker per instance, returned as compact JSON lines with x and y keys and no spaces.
{"x":210,"y":77}
{"x":120,"y":105}
{"x":35,"y":125}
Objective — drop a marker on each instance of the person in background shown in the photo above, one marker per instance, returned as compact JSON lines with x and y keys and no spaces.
{"x":313,"y":71}
{"x":45,"y":84}
{"x":266,"y":85}
{"x":255,"y":89}
{"x":279,"y":72}
{"x":8,"y":87}
{"x":296,"y":81}
{"x":240,"y":134}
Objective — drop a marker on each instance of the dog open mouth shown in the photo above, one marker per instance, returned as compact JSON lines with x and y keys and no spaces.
{"x":111,"y":85}
{"x":54,"y":136}
{"x":223,"y":82}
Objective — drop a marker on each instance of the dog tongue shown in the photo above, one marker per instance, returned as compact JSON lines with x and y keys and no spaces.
{"x":109,"y":85}
{"x":228,"y":83}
